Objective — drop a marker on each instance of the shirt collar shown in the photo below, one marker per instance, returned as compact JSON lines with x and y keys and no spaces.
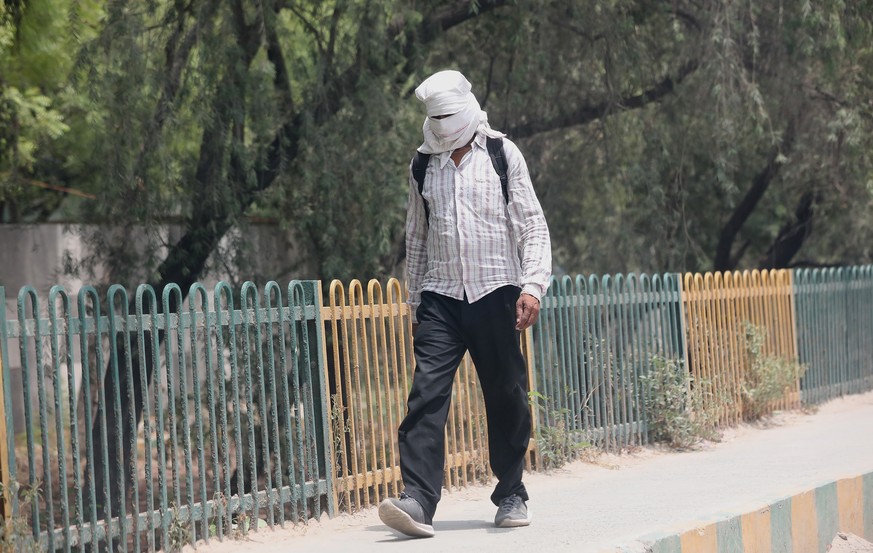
{"x":478,"y":142}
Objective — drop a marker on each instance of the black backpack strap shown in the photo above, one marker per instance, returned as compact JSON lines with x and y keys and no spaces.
{"x":498,"y":160}
{"x":419,"y":170}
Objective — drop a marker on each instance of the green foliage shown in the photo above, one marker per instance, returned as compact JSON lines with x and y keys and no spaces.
{"x":32,"y":113}
{"x":348,"y":189}
{"x":27,"y":117}
{"x":658,"y":183}
{"x":645,"y":129}
{"x":38,"y":44}
{"x":679,"y":411}
{"x":557,"y":444}
{"x":16,"y":534}
{"x":769,"y":377}
{"x":179,"y":532}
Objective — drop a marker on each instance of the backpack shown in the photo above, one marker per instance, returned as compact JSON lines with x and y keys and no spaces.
{"x":498,"y":160}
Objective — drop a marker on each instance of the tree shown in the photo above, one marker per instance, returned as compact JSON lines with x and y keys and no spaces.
{"x":255,"y":121}
{"x":737,"y":167}
{"x":661,"y":136}
{"x":46,"y":132}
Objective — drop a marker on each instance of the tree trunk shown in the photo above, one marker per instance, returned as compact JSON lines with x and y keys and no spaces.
{"x":792,"y":235}
{"x":210,"y":221}
{"x":724,"y":258}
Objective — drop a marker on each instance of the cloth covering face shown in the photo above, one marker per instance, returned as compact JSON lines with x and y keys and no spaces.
{"x":450,"y":93}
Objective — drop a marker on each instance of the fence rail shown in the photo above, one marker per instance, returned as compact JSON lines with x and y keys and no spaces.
{"x":595,"y":338}
{"x":172,"y":416}
{"x":717,"y":308}
{"x":835,"y":330}
{"x":370,"y":354}
{"x":202,"y":417}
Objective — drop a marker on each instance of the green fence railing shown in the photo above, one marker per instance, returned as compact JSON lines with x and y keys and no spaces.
{"x":594,"y":339}
{"x":151,"y":421}
{"x":835,"y":330}
{"x":144,"y":417}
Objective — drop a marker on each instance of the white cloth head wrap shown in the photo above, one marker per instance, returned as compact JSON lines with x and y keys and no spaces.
{"x":450,"y":93}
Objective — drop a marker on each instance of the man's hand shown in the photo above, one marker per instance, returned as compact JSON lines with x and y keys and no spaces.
{"x":527,"y":310}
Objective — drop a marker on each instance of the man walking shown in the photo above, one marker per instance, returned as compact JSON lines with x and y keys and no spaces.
{"x":478,"y":261}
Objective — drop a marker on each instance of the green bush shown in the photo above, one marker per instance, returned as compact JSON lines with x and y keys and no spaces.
{"x":679,"y":413}
{"x":16,"y":534}
{"x":556,"y":444}
{"x":769,"y":377}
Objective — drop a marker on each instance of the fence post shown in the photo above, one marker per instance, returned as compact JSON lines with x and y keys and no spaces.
{"x":795,"y":347}
{"x":7,"y":470}
{"x":528,"y":348}
{"x":327,"y":405}
{"x":4,"y":472}
{"x":687,"y":294}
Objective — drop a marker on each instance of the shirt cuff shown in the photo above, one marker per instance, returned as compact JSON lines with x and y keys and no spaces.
{"x":534,"y":290}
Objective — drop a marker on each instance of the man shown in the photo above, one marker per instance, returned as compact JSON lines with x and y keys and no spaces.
{"x":478,"y":265}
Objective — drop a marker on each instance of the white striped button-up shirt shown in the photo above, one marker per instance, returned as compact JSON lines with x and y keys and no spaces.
{"x":474,"y":242}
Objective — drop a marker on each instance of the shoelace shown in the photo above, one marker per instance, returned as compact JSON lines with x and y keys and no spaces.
{"x":510,"y":503}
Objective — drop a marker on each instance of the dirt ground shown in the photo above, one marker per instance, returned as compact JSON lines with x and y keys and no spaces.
{"x":614,"y":500}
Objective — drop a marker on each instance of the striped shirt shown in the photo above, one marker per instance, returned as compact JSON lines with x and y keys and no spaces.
{"x":474,"y":242}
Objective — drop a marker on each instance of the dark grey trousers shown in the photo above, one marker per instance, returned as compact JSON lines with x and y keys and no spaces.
{"x":447,"y":329}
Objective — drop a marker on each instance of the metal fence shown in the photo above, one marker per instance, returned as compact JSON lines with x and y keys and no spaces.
{"x":369,"y":360}
{"x":159,"y":425}
{"x":369,"y":357}
{"x":594,"y":339}
{"x":720,"y":310}
{"x":158,"y":420}
{"x":835,"y":330}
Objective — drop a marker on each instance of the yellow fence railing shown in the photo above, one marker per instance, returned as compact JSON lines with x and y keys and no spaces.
{"x":717,"y":306}
{"x":370,"y":366}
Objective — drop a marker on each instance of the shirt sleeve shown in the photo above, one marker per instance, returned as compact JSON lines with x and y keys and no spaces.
{"x":416,"y":245}
{"x":528,"y":224}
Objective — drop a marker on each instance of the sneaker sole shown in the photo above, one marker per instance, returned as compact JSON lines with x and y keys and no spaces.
{"x":397,"y":519}
{"x":508,"y":523}
{"x":514,"y":523}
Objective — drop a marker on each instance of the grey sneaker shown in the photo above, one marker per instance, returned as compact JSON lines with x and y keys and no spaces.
{"x":512,"y":513}
{"x":406,"y":516}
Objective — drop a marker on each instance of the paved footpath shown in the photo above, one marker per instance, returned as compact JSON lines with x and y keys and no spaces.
{"x":592,"y":507}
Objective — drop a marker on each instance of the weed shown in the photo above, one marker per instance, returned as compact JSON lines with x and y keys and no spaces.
{"x":219,"y":505}
{"x":679,"y":413}
{"x":341,"y":430}
{"x":179,"y":531}
{"x":16,"y":534}
{"x":769,"y":377}
{"x":240,"y":529}
{"x":556,"y":443}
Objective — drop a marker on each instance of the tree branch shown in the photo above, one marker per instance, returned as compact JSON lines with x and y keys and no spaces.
{"x":331,"y":41}
{"x":176,"y":59}
{"x":462,"y":11}
{"x":587,"y":113}
{"x":309,"y":27}
{"x":281,"y":79}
